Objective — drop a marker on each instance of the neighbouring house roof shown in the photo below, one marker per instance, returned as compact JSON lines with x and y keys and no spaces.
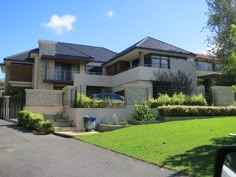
{"x":153,"y":44}
{"x":23,"y":56}
{"x":208,"y":58}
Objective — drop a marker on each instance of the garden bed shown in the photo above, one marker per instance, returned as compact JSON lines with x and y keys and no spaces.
{"x":136,"y":122}
{"x":107,"y":127}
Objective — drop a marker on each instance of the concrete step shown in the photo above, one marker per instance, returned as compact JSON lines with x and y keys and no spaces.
{"x":63,"y":123}
{"x":56,"y":118}
{"x":70,"y":134}
{"x":52,"y":117}
{"x":63,"y":129}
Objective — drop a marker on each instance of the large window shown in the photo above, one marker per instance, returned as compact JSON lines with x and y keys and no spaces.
{"x":62,"y":72}
{"x":160,"y":61}
{"x":204,"y":66}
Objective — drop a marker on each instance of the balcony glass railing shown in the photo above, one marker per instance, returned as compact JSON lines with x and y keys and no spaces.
{"x":60,"y":75}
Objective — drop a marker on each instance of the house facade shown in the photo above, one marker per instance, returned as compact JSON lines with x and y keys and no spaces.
{"x":54,"y":65}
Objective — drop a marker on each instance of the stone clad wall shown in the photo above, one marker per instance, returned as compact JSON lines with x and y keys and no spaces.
{"x":222,"y":96}
{"x":39,"y":97}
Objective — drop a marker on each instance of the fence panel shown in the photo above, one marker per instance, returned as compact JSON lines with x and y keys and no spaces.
{"x":11,"y":105}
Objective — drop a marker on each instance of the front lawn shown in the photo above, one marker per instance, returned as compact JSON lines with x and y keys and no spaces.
{"x":187,"y":146}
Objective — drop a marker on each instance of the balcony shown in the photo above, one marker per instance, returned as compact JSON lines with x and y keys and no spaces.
{"x":59,"y":76}
{"x":204,"y":69}
{"x":134,"y":74}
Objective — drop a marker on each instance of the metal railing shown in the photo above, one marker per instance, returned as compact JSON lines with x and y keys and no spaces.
{"x":60,"y":75}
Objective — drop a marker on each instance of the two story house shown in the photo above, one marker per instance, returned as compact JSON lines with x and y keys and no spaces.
{"x":53,"y":65}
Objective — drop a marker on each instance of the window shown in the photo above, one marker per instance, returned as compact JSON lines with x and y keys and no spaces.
{"x":94,"y":70}
{"x":204,"y":66}
{"x":160,"y":61}
{"x":62,"y":72}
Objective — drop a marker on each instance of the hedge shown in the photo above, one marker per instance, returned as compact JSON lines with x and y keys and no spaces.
{"x":177,"y":99}
{"x":178,"y":110}
{"x":82,"y":101}
{"x":35,"y":121}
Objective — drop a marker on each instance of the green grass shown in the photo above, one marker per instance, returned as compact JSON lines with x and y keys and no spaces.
{"x":187,"y":146}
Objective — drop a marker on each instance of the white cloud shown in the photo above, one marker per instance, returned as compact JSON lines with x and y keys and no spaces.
{"x":210,"y":50}
{"x":110,"y":13}
{"x":60,"y":24}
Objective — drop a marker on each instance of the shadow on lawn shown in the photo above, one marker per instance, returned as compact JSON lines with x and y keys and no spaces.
{"x":199,"y":160}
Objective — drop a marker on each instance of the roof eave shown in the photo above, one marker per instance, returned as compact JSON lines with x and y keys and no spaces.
{"x":67,"y":57}
{"x":143,"y":48}
{"x":182,"y":53}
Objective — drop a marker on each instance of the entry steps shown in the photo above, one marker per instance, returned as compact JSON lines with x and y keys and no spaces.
{"x":60,"y":123}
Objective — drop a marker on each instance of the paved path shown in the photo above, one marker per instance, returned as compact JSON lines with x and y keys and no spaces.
{"x":23,"y":154}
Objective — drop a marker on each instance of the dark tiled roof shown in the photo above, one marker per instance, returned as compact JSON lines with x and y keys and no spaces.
{"x":63,"y":49}
{"x":152,"y":44}
{"x":97,"y":53}
{"x":23,"y":56}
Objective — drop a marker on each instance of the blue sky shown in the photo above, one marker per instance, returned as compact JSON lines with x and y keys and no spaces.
{"x":114,"y":24}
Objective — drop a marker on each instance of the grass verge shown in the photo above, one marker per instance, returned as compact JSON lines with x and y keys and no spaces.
{"x":187,"y":146}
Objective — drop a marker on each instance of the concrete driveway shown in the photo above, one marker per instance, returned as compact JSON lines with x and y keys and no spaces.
{"x":23,"y":154}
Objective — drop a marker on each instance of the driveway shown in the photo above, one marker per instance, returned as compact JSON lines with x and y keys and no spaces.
{"x":23,"y":154}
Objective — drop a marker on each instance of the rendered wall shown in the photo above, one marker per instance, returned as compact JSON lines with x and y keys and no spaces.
{"x":222,"y":96}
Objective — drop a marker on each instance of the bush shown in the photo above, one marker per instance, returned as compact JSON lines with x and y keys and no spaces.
{"x":195,"y":111}
{"x":35,"y":121}
{"x":153,"y":103}
{"x":142,"y":112}
{"x":197,"y":100}
{"x":177,"y":99}
{"x":163,"y":100}
{"x":82,"y":101}
{"x":46,"y":126}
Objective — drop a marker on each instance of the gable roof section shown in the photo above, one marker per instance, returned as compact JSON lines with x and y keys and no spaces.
{"x":63,"y":49}
{"x":23,"y":56}
{"x":153,"y":44}
{"x":99,"y":54}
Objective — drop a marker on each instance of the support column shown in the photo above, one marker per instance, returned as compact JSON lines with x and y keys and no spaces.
{"x":7,"y":109}
{"x":140,"y":58}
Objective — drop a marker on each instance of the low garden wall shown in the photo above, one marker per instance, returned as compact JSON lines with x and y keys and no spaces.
{"x":103,"y":115}
{"x":222,"y":96}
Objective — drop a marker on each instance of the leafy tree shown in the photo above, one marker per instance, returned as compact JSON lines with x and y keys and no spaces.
{"x":1,"y":83}
{"x":230,"y":64}
{"x":221,"y":14}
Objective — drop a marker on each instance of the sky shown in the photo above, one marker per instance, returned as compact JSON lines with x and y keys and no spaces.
{"x":113,"y":24}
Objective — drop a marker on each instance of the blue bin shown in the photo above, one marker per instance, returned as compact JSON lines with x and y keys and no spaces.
{"x":89,"y":123}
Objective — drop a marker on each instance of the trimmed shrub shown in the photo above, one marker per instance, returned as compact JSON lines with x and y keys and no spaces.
{"x":46,"y":126}
{"x":142,"y":112}
{"x":177,"y":99}
{"x":83,"y":101}
{"x":163,"y":100}
{"x":35,"y":121}
{"x":196,"y":100}
{"x":168,"y":111}
{"x":153,"y":103}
